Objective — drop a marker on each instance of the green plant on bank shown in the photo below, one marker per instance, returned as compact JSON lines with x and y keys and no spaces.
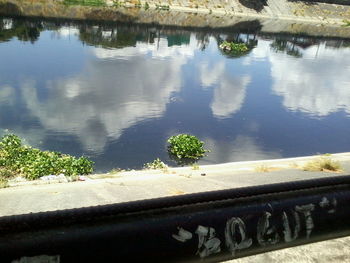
{"x":118,"y":4}
{"x":146,"y":6}
{"x":5,"y":175}
{"x":346,"y":23}
{"x":195,"y":166}
{"x":186,"y":146}
{"x":262,"y":169}
{"x":85,"y":2}
{"x":33,"y":163}
{"x":138,"y":4}
{"x":163,"y":7}
{"x":156,"y":164}
{"x":324,"y":163}
{"x":234,"y":48}
{"x":115,"y":171}
{"x":3,"y":183}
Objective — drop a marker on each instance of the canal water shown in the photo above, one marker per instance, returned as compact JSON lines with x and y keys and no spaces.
{"x":115,"y":93}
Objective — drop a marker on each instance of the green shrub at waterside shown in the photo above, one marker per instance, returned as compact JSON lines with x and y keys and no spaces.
{"x":33,"y":163}
{"x":185,"y":146}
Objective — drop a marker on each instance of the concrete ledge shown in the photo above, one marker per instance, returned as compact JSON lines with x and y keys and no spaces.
{"x":37,"y":196}
{"x":225,"y":169}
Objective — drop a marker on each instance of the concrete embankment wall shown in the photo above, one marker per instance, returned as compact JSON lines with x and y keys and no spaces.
{"x":273,"y":16}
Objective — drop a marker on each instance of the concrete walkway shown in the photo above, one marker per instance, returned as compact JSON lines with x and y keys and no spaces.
{"x":331,"y":251}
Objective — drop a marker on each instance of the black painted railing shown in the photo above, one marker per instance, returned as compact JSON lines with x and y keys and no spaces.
{"x":210,"y":226}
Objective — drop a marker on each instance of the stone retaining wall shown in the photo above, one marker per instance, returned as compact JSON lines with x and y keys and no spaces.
{"x":273,"y":16}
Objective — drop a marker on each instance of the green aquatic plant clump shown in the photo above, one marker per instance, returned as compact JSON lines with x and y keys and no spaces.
{"x":33,"y":163}
{"x":234,"y":48}
{"x":186,"y":146}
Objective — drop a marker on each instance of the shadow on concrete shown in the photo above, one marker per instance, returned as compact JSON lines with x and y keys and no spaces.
{"x":257,"y":5}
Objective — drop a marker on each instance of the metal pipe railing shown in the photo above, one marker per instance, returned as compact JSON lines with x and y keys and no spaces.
{"x":209,"y":226}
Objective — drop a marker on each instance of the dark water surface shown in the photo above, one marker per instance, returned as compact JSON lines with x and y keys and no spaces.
{"x":115,"y":93}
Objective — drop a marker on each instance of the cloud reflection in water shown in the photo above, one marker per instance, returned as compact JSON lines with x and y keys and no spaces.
{"x":317,"y":85}
{"x":113,"y":89}
{"x":229,"y":91}
{"x":111,"y":93}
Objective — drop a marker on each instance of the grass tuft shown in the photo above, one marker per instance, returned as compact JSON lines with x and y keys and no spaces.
{"x":5,"y":175}
{"x":346,"y":23}
{"x":3,"y":183}
{"x":262,"y":169}
{"x":156,"y":164}
{"x":195,"y":166}
{"x":324,"y":164}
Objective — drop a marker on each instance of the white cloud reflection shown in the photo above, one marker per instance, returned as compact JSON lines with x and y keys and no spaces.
{"x":242,"y":148}
{"x":7,"y":23}
{"x":67,"y":31}
{"x":7,"y":95}
{"x":159,"y":50}
{"x":111,"y":93}
{"x":316,"y":84}
{"x":229,"y":91}
{"x":229,"y":96}
{"x":319,"y":84}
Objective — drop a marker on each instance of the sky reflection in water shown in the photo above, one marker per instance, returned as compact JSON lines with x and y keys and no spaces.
{"x":116,"y":94}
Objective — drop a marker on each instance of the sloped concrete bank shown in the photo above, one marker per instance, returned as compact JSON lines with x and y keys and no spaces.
{"x":224,"y":175}
{"x":315,"y":19}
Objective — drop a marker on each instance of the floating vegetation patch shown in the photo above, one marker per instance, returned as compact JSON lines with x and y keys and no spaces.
{"x":235,"y":49}
{"x":32,"y":163}
{"x":186,"y":146}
